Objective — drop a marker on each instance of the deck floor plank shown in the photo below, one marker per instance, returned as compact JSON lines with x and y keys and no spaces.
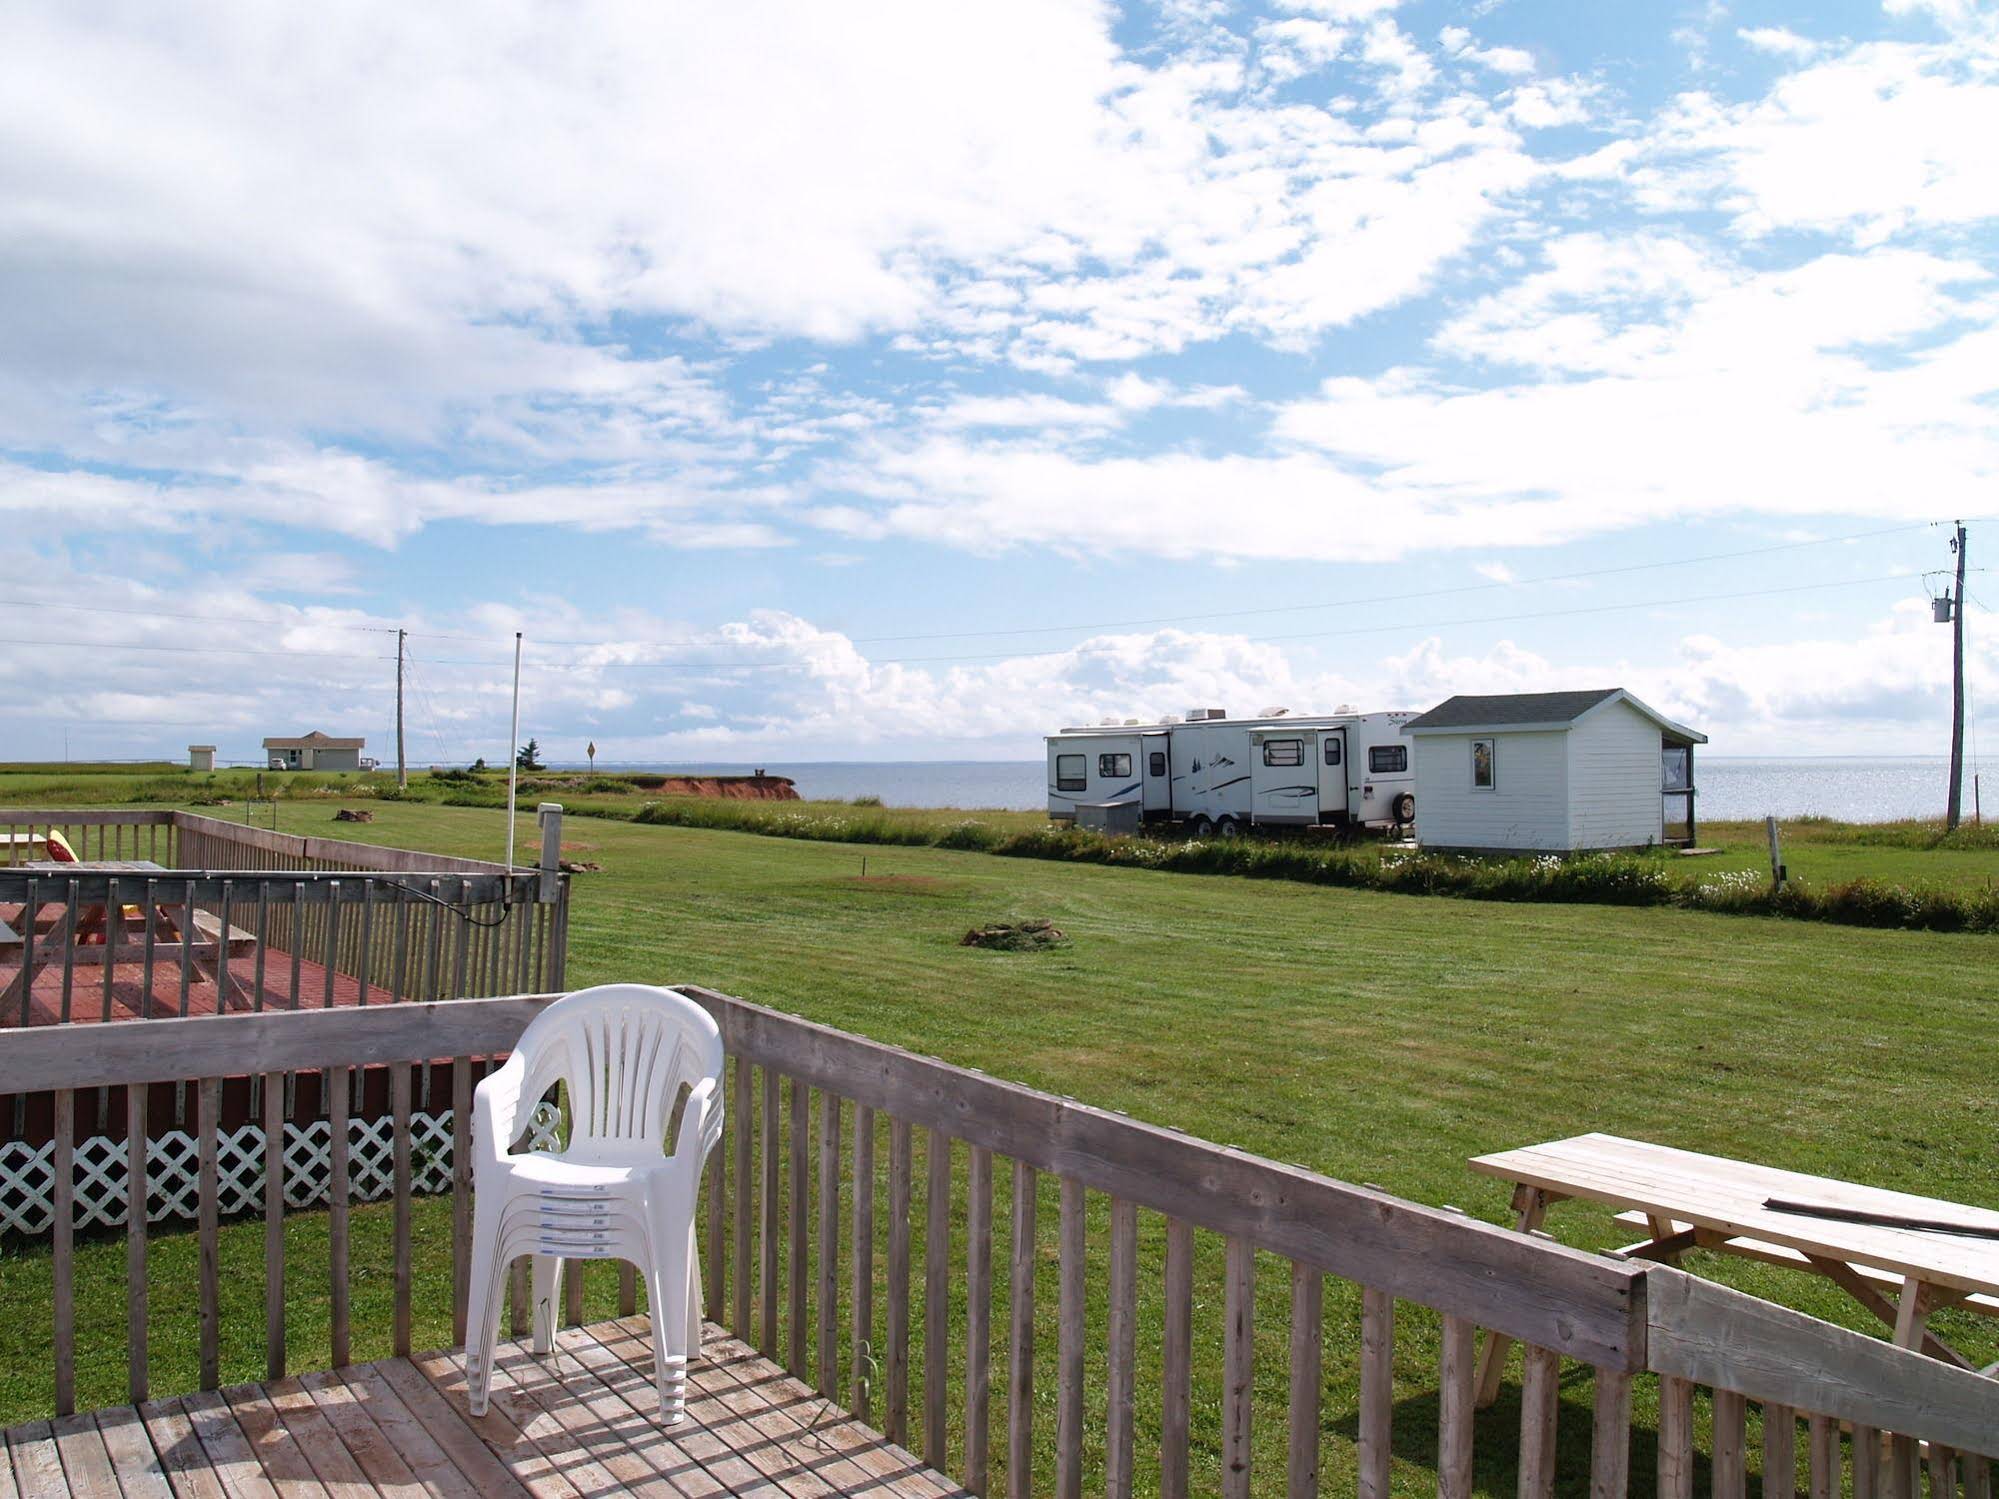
{"x":214,"y":1444}
{"x":141,"y":1474}
{"x":578,"y":1424}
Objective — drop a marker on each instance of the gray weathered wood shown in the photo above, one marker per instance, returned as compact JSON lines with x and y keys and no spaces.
{"x":1238,"y":1365}
{"x":714,"y":1264}
{"x":1121,"y":1330}
{"x":1780,"y":1451}
{"x":1307,"y":1379}
{"x":1176,"y":1359}
{"x":1823,"y":1442}
{"x":1866,"y":1462}
{"x":1070,"y":1312}
{"x":1377,"y":1390}
{"x":274,"y":1226}
{"x":1455,"y":1398}
{"x":136,"y":1177}
{"x":861,"y":1281}
{"x":768,"y":1217}
{"x":1020,"y":1338}
{"x":937,"y":1299}
{"x":1610,"y":1447}
{"x":461,"y":1193}
{"x":1540,"y":1401}
{"x":140,"y":1051}
{"x":829,"y":1243}
{"x":1721,"y":1337}
{"x":1581,"y":1305}
{"x":900,"y":1163}
{"x":1730,"y":1460}
{"x":978,"y":1318}
{"x":62,"y":1250}
{"x":1676,"y":1437}
{"x":745,"y":1126}
{"x":799,"y":1150}
{"x":399,"y":1232}
{"x":339,"y":1192}
{"x":208,"y":1114}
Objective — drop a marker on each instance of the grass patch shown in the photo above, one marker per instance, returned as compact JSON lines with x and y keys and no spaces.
{"x":1371,"y":1035}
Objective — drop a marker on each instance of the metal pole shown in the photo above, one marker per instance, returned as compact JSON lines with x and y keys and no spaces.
{"x":514,"y":750}
{"x":1955,"y":814}
{"x":402,"y":766}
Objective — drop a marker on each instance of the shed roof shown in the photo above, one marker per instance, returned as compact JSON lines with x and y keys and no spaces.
{"x":315,"y":740}
{"x":1469,"y":713}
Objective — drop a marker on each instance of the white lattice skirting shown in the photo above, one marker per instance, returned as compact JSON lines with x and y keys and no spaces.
{"x":103,"y":1188}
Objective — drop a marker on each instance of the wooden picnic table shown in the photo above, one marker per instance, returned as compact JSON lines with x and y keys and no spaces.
{"x":1685,"y":1200}
{"x":103,"y":934}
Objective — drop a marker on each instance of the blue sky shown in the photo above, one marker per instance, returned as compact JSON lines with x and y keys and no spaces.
{"x":899,"y":382}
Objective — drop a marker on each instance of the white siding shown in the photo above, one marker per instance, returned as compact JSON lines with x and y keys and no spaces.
{"x":1526,"y":809}
{"x":1614,"y":772}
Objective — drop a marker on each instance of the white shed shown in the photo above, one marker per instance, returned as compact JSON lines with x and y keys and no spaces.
{"x":1534,"y":772}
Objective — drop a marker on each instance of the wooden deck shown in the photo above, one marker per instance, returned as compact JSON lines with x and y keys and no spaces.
{"x":580,"y":1423}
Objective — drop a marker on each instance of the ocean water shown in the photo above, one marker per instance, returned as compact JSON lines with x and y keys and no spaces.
{"x":1851,"y":790}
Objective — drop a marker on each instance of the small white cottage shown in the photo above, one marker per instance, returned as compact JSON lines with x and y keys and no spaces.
{"x":1535,"y":772}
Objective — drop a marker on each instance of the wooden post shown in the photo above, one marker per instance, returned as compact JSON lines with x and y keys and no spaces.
{"x":1777,"y":872}
{"x":549,"y":816}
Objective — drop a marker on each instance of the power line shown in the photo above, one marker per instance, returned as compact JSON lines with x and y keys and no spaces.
{"x":198,"y":650}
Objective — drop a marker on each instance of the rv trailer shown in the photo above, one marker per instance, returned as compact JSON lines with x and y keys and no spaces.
{"x":1216,"y":774}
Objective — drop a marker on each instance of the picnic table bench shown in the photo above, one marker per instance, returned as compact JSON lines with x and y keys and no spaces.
{"x":1685,"y":1200}
{"x":93,"y":934}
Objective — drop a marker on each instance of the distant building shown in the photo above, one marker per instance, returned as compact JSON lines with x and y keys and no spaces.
{"x":1552,"y":771}
{"x":314,"y":751}
{"x":201,"y":757}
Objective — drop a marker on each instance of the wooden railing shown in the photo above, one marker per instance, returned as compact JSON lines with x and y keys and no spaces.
{"x":803,"y":1258}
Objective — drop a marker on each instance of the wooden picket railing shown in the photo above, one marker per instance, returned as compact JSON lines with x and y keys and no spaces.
{"x":801,"y":1259}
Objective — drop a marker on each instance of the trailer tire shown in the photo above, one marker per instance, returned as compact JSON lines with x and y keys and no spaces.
{"x":1198,"y":827}
{"x":1228,"y":827}
{"x":1404,"y":807}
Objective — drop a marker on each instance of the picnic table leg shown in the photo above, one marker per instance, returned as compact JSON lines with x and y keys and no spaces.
{"x":1530,"y":1206}
{"x":1908,"y":1318}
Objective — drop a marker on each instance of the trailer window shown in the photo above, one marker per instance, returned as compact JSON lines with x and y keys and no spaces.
{"x":1283,"y":752}
{"x":1071,"y":772}
{"x":1110,"y":767}
{"x":1155,"y":763}
{"x":1333,"y":750}
{"x":1387,"y":759}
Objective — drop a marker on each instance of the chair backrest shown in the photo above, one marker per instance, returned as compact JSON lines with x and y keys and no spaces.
{"x":625,"y":1051}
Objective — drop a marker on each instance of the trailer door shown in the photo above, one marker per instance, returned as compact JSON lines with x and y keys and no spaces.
{"x":1156,"y":769}
{"x":1333,"y":776}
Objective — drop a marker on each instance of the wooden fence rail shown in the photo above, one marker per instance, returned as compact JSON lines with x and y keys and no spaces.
{"x":795,"y":1198}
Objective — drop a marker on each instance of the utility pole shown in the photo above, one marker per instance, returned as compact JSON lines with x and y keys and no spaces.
{"x":1956,"y":804}
{"x":402,"y":765}
{"x":514,"y":752}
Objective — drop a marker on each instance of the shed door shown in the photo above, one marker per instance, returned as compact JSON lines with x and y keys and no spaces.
{"x":1333,"y":775}
{"x":1156,"y":772}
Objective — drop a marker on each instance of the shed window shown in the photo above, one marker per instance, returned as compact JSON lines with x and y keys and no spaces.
{"x":1156,"y":763}
{"x":1113,"y":766}
{"x":1071,"y":772}
{"x":1333,"y":749}
{"x":1484,"y":764}
{"x":1387,"y":759}
{"x":1283,"y":752}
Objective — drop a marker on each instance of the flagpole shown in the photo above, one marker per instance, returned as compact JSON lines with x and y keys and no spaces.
{"x":514,"y":752}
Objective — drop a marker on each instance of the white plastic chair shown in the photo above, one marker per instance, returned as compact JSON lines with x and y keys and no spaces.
{"x":624,"y":1053}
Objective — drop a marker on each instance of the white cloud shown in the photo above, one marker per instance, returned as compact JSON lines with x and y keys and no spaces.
{"x":1778,"y":41}
{"x":1496,"y":572}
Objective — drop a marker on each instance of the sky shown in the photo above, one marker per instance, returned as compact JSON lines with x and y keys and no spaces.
{"x":904,"y":380}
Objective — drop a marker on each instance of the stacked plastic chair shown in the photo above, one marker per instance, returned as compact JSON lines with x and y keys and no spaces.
{"x":623,"y":1053}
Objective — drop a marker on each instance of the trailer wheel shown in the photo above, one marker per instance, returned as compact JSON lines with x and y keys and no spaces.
{"x":1228,"y":827}
{"x":1405,"y":807}
{"x":1198,"y":827}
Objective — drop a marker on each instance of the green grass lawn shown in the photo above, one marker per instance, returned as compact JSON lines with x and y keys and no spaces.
{"x":1378,"y":1038}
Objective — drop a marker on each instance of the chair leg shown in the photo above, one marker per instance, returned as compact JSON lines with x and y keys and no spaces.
{"x":482,"y":1307}
{"x":547,"y":1294}
{"x":666,"y":1286}
{"x":690,"y":1337}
